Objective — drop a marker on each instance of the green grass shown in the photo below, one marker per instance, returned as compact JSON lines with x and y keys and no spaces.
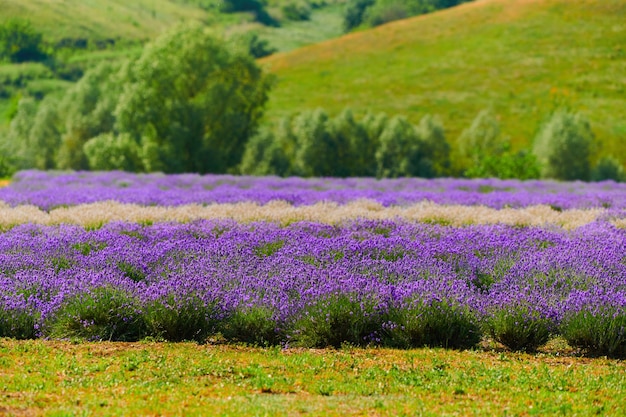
{"x":62,"y":378}
{"x":325,"y":23}
{"x":522,"y":59}
{"x":111,"y":19}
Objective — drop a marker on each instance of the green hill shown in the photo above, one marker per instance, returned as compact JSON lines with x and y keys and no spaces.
{"x":521,"y":58}
{"x":111,"y":19}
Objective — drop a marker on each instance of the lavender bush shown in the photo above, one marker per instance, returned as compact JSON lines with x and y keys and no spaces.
{"x":49,"y":190}
{"x":390,"y":283}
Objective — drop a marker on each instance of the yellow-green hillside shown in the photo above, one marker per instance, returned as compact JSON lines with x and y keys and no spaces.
{"x":129,"y":20}
{"x":522,"y":58}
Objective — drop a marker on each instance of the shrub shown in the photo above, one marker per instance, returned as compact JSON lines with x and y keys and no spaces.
{"x":563,"y":147}
{"x":599,"y":333}
{"x":252,"y":325}
{"x":509,"y":165}
{"x":181,"y":317}
{"x":518,"y":327}
{"x":335,"y":320}
{"x":18,"y":319}
{"x":103,"y":313}
{"x":434,"y":324}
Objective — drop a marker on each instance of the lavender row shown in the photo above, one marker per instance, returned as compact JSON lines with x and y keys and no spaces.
{"x":365,"y":282}
{"x":48,"y":190}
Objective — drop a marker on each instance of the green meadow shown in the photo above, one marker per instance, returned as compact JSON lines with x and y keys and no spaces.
{"x":186,"y":379}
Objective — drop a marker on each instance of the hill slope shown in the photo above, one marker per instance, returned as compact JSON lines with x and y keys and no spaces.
{"x":130,"y":20}
{"x":522,"y":58}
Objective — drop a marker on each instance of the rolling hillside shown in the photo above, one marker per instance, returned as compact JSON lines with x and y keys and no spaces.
{"x":521,"y":58}
{"x":92,"y":19}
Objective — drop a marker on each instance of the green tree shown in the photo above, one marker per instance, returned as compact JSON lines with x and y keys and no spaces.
{"x":563,"y":147}
{"x":435,"y":149}
{"x":87,"y":111}
{"x":45,"y":134}
{"x":354,"y":12}
{"x":608,"y":168}
{"x":190,"y":103}
{"x":20,"y":42}
{"x":264,"y":156}
{"x":113,"y":152}
{"x":481,"y":139}
{"x":356,"y":148}
{"x":398,"y":151}
{"x":316,"y":153}
{"x":16,"y":145}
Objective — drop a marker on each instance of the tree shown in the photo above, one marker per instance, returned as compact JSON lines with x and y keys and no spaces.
{"x":190,"y":103}
{"x":435,"y":149}
{"x":316,"y":153}
{"x":16,"y":146}
{"x":44,"y":136}
{"x":87,"y":111}
{"x":608,"y":168}
{"x":20,"y":42}
{"x":264,"y":156}
{"x":354,"y":12}
{"x":398,"y":151}
{"x":111,"y":152}
{"x":563,"y":147}
{"x":358,"y":149}
{"x":481,"y":139}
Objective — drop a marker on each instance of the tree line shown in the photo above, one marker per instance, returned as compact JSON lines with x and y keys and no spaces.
{"x":192,"y":102}
{"x":313,"y":144}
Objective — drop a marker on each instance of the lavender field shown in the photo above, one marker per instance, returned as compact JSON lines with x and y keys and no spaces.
{"x":392,"y":281}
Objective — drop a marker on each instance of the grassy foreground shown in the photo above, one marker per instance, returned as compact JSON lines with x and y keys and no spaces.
{"x":63,"y":378}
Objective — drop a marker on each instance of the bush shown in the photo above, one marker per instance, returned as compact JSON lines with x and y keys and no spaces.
{"x":19,"y":42}
{"x":608,"y":168}
{"x":563,"y":147}
{"x":178,"y":318}
{"x":519,"y":328}
{"x":434,"y":324}
{"x":18,"y":320}
{"x":334,"y":321}
{"x":103,"y":313}
{"x":252,"y":325}
{"x":520,"y":165}
{"x":599,"y":333}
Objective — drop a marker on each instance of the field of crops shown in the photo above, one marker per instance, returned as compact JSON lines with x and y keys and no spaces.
{"x":334,"y":262}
